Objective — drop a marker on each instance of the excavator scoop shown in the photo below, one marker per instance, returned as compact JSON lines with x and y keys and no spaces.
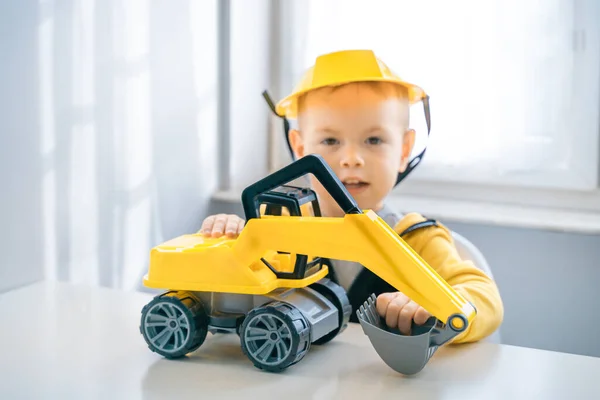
{"x":406,"y":354}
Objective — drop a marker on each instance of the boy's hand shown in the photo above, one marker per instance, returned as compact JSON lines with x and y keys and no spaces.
{"x":220,"y":224}
{"x":399,"y":311}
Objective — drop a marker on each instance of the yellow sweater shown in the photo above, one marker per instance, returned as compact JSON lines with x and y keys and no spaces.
{"x":435,"y":245}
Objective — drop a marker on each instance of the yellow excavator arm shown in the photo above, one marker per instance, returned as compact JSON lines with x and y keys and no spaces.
{"x":364,"y":238}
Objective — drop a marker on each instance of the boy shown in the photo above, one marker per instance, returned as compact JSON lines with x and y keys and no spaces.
{"x":354,"y":112}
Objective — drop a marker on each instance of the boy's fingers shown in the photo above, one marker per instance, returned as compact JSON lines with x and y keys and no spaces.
{"x":391,"y":316}
{"x":421,"y":316}
{"x":207,"y":225}
{"x":383,"y":301}
{"x":219,"y":225}
{"x":394,"y":310}
{"x":240,"y":226}
{"x":399,"y":311}
{"x":232,"y":225}
{"x":406,"y":317}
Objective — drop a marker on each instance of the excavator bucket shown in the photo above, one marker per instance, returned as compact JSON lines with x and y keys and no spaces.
{"x":404,"y":354}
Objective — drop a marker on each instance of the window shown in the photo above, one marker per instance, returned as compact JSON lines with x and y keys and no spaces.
{"x":513,"y":85}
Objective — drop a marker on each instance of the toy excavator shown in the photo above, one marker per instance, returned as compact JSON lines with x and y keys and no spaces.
{"x":269,"y":285}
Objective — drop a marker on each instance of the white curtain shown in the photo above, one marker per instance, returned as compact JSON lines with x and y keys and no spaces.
{"x":128,"y":131}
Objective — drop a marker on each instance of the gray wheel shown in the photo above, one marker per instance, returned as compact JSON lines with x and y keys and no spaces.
{"x":337,"y":295}
{"x":174,"y":324}
{"x":275,"y":336}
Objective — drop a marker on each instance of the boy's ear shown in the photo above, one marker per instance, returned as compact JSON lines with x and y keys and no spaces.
{"x":407,"y":147}
{"x":296,"y":142}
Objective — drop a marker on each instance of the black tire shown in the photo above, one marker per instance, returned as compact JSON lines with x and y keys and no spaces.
{"x":275,"y":336}
{"x":337,"y":295}
{"x":174,"y":324}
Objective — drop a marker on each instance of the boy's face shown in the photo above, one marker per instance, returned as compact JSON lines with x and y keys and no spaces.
{"x":361,"y":130}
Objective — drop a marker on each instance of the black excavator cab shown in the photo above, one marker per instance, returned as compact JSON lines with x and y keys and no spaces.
{"x":276,"y":195}
{"x":290,"y":200}
{"x":294,"y":202}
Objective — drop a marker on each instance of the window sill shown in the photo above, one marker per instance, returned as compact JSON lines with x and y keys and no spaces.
{"x":481,"y":212}
{"x":498,"y":214}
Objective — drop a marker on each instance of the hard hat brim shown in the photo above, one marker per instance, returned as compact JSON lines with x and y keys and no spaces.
{"x":288,"y":106}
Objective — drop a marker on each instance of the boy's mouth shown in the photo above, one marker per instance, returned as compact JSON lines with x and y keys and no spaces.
{"x":355,"y":185}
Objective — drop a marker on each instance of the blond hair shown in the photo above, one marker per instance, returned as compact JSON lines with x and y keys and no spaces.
{"x":386,"y":90}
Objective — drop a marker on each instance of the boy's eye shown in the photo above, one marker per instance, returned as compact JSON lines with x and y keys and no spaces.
{"x":330,"y":141}
{"x":374,"y":140}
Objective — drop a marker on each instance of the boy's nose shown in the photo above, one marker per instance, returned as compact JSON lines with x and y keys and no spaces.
{"x":352,"y":158}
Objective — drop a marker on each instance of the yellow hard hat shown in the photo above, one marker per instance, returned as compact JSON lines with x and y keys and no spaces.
{"x":342,"y":67}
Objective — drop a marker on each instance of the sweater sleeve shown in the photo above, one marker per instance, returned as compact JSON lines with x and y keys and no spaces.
{"x":436,"y":246}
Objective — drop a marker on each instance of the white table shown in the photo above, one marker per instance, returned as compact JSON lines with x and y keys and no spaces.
{"x":61,"y":341}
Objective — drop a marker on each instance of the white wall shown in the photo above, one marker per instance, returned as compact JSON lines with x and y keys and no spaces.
{"x":549,"y":285}
{"x":21,"y":164}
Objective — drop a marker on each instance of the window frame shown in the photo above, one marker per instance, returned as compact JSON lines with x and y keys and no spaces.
{"x":444,"y":195}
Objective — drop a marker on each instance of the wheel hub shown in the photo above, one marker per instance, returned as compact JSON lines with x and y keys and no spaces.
{"x":268,"y":338}
{"x":166,"y":327}
{"x":174,"y":326}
